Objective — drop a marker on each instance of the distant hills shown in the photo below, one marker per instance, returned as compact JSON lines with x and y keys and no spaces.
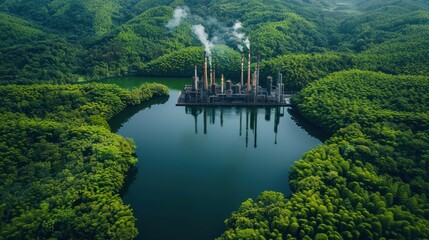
{"x":61,"y":41}
{"x":361,"y":69}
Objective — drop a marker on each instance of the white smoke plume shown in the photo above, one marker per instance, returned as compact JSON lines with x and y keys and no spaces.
{"x":247,"y":43}
{"x":218,"y":31}
{"x":239,"y":37}
{"x":180,"y":13}
{"x":237,"y":26}
{"x":200,"y":31}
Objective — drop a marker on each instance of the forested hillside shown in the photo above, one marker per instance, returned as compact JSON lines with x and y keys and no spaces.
{"x":67,"y":41}
{"x":360,"y":69}
{"x":368,"y":181}
{"x":61,"y":166}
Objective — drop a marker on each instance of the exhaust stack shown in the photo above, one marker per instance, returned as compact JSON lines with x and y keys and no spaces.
{"x":254,"y":79}
{"x":242,"y":69}
{"x":214,"y":74}
{"x":211,"y":74}
{"x":196,"y":78}
{"x":257,"y":72}
{"x":205,"y":72}
{"x":248,"y":72}
{"x":222,"y":82}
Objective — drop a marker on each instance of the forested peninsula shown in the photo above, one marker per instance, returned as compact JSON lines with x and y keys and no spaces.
{"x":359,"y":69}
{"x":368,"y":181}
{"x":62,"y":167}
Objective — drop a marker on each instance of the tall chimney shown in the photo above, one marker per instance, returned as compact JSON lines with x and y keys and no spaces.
{"x":222,"y":82}
{"x":242,"y":69}
{"x":205,"y":72}
{"x":214,"y":74}
{"x":255,"y":88}
{"x":211,"y":74}
{"x":196,"y":78}
{"x":248,"y":72}
{"x":257,"y":72}
{"x":254,"y":78}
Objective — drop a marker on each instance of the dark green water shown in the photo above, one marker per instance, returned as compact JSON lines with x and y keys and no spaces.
{"x":196,"y":165}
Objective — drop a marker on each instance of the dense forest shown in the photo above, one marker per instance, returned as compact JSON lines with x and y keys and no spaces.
{"x":68,"y":41}
{"x":361,"y":69}
{"x":62,"y":167}
{"x":370,"y":180}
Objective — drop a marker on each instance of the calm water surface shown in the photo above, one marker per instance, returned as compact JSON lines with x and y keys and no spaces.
{"x":196,"y":165}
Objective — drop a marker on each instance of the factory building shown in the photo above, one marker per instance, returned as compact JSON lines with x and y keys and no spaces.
{"x":226,"y":93}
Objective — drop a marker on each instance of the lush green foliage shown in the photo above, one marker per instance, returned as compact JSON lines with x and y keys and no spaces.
{"x":366,"y":97}
{"x":71,"y":17}
{"x":407,"y":54}
{"x":62,"y":167}
{"x":292,"y":35}
{"x":300,"y":69}
{"x":42,"y":61}
{"x":368,"y":181}
{"x":117,"y":38}
{"x":379,"y":25}
{"x":14,"y":30}
{"x":181,"y":63}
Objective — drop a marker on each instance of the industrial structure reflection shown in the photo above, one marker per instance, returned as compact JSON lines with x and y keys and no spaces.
{"x":248,"y":120}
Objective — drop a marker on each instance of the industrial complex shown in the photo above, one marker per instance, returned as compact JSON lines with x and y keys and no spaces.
{"x":225,"y":93}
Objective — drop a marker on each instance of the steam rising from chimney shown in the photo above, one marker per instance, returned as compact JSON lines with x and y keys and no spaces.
{"x":237,"y":26}
{"x":247,"y":43}
{"x":180,"y":13}
{"x":200,"y":31}
{"x":218,"y":35}
{"x":238,"y":36}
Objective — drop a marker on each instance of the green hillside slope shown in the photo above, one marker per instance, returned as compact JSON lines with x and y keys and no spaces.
{"x":14,"y":30}
{"x":360,"y":69}
{"x":368,"y":181}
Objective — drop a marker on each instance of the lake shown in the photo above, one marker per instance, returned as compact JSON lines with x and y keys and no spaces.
{"x":197,"y":165}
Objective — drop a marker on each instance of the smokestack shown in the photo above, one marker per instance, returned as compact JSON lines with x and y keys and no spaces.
{"x":214,"y":74}
{"x":269,"y":85}
{"x":196,"y":78}
{"x":248,"y":72}
{"x":254,"y":80}
{"x":211,"y":74}
{"x":205,"y":72}
{"x":280,"y":88}
{"x":257,"y":72}
{"x":222,"y":81}
{"x":242,"y":69}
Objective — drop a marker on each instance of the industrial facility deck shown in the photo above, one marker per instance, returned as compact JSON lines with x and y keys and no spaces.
{"x":242,"y":94}
{"x":235,"y":104}
{"x":285,"y":103}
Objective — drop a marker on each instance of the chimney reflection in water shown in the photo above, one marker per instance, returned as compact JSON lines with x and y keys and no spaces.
{"x":205,"y":121}
{"x":241,"y":121}
{"x":221,"y":117}
{"x":255,"y":130}
{"x":247,"y":127}
{"x":209,"y":114}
